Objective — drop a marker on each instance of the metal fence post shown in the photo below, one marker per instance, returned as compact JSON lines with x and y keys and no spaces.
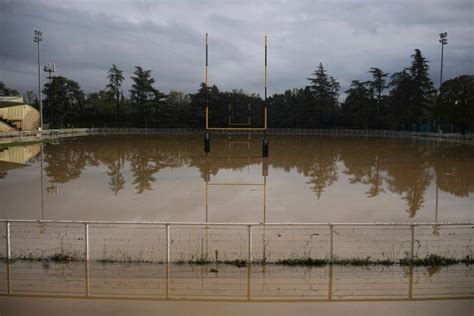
{"x":412,"y":251}
{"x":168,"y":252}
{"x":410,"y":282}
{"x":330,"y":283}
{"x":86,"y":239}
{"x":9,"y":286}
{"x":249,"y":264}
{"x":331,"y":242}
{"x":87,"y":278}
{"x":250,"y":244}
{"x":9,"y":254}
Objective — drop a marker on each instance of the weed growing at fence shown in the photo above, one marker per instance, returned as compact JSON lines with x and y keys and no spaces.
{"x":432,"y":260}
{"x":58,"y":257}
{"x":435,"y":261}
{"x":125,"y":260}
{"x":468,"y":260}
{"x":237,"y":263}
{"x":302,"y":262}
{"x":363,"y":262}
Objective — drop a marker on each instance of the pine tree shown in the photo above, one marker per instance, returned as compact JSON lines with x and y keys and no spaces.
{"x":322,"y":89}
{"x":400,"y":98}
{"x":142,"y":91}
{"x":422,"y":88}
{"x":358,"y":104}
{"x":378,"y":83}
{"x":320,"y":83}
{"x":376,"y":86}
{"x":116,"y":78}
{"x":64,"y":98}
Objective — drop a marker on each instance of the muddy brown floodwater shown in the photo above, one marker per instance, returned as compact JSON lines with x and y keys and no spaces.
{"x":306,"y":179}
{"x":169,"y":179}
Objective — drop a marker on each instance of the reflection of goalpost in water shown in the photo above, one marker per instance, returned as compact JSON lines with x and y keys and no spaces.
{"x":237,"y":126}
{"x":263,"y":184}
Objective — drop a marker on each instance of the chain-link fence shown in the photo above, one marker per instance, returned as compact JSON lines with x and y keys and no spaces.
{"x":213,"y":242}
{"x":230,"y":282}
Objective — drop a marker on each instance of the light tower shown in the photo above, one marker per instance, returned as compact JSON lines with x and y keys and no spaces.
{"x":443,"y":39}
{"x":38,"y":37}
{"x":49,"y":68}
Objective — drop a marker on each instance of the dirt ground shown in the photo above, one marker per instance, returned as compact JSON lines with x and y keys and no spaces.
{"x":55,"y":306}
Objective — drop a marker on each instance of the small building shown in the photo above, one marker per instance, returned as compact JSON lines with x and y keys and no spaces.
{"x":16,"y":115}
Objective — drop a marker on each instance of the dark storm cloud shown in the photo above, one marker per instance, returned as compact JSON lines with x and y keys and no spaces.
{"x":84,"y":38}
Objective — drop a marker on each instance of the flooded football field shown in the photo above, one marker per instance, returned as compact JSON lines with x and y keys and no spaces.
{"x":305,"y":179}
{"x":112,"y":220}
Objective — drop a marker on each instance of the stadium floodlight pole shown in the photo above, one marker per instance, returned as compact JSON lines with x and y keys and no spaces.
{"x":443,"y":39}
{"x":207,"y":87}
{"x":38,"y":37}
{"x":265,"y":69}
{"x":266,"y":86}
{"x":49,"y":68}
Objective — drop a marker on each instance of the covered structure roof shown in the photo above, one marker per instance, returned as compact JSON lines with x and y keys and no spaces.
{"x":6,"y":101}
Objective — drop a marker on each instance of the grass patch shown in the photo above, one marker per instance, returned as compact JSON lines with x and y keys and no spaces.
{"x":125,"y":260}
{"x":200,"y":261}
{"x":430,"y":261}
{"x":58,"y":257}
{"x":468,"y":260}
{"x":237,"y":263}
{"x":302,"y":262}
{"x":364,"y":262}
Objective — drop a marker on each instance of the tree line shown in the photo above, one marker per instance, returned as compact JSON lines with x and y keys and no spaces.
{"x":405,"y":100}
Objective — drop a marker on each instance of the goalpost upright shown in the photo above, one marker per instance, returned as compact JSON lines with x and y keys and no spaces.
{"x":206,"y":83}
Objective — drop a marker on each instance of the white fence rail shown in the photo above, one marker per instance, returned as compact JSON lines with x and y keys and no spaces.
{"x":227,"y":242}
{"x":452,"y":137}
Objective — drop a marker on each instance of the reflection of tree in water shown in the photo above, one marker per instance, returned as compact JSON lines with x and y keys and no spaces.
{"x":322,"y":175}
{"x":66,"y":162}
{"x":116,"y":178}
{"x":221,"y":157}
{"x":150,"y":157}
{"x":402,"y":166}
{"x":362,"y":161}
{"x":143,"y":170}
{"x":454,"y":175}
{"x":411,"y":185}
{"x":146,"y":156}
{"x":375,"y":180}
{"x":408,"y":172}
{"x":376,"y":162}
{"x":114,"y":158}
{"x":314,"y":157}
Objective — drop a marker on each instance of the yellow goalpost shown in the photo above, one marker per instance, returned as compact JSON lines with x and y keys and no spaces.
{"x":236,"y":126}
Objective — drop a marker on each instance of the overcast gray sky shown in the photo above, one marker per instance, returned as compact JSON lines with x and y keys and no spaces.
{"x":84,"y":38}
